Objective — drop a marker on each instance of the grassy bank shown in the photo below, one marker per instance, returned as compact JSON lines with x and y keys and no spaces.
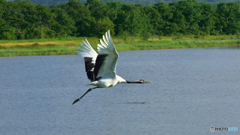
{"x":68,"y":46}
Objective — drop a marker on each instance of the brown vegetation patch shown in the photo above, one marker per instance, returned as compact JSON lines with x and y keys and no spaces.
{"x":34,"y":43}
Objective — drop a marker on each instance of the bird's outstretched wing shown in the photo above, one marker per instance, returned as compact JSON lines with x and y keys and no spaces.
{"x":90,"y":57}
{"x":107,"y":57}
{"x":102,"y":64}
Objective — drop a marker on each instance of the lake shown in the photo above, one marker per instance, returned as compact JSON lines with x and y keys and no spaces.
{"x":190,"y":91}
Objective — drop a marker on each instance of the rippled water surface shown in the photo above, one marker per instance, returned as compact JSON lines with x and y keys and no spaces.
{"x":191,"y":90}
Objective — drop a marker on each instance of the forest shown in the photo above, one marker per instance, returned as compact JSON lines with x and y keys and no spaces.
{"x":22,"y":19}
{"x":133,"y":2}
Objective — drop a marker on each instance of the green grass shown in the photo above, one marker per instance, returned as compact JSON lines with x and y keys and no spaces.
{"x":176,"y":44}
{"x":37,"y":50}
{"x":68,"y":46}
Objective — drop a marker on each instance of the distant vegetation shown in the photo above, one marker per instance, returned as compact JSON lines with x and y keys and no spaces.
{"x":64,"y":46}
{"x":133,"y":2}
{"x":22,"y":19}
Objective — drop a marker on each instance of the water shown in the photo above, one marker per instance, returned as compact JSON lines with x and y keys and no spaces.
{"x":191,"y":90}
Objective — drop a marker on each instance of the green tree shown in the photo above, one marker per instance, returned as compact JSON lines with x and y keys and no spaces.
{"x":2,"y":21}
{"x":81,"y":15}
{"x":113,"y":9}
{"x":44,"y":19}
{"x":228,"y":21}
{"x":146,"y":29}
{"x":192,"y":14}
{"x":151,"y":20}
{"x":8,"y":33}
{"x":64,"y":25}
{"x":129,"y":20}
{"x":207,"y":22}
{"x":103,"y":25}
{"x":14,"y":18}
{"x":166,"y":12}
{"x":97,"y":8}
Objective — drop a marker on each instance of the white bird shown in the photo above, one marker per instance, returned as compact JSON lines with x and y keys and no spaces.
{"x":101,"y":67}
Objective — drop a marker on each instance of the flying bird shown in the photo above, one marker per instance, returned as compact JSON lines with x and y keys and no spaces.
{"x":101,"y":67}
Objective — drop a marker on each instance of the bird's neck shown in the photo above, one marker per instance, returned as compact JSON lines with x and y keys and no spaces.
{"x":120,"y":79}
{"x":133,"y":82}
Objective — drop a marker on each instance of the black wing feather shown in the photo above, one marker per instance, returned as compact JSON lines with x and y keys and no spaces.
{"x":88,"y":63}
{"x":89,"y":66}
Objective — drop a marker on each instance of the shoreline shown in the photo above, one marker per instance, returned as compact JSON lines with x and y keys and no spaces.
{"x":68,"y":47}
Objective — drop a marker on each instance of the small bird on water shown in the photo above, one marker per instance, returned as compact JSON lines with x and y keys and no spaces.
{"x":101,"y":67}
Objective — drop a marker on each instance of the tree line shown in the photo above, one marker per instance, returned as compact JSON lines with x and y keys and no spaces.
{"x":133,"y":2}
{"x":22,"y":19}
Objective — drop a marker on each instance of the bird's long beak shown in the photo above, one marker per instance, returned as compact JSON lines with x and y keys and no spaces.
{"x":146,"y":82}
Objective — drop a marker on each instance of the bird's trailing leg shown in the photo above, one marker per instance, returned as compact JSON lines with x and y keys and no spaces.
{"x":83,"y":95}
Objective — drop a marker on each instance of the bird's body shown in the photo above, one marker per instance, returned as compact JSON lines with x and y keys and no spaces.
{"x":105,"y":82}
{"x":101,"y":67}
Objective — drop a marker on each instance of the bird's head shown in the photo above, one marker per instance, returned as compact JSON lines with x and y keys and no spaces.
{"x":142,"y":81}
